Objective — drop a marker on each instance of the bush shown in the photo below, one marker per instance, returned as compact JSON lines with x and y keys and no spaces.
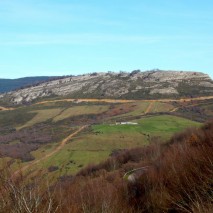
{"x":53,"y":168}
{"x":179,"y":178}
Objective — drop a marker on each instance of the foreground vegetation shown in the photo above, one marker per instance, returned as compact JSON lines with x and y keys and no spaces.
{"x":79,"y":157}
{"x":176,"y":176}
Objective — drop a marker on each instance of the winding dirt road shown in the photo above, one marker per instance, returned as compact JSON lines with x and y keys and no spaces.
{"x":115,"y":101}
{"x":57,"y":149}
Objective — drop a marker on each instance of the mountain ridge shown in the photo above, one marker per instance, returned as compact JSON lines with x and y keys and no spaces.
{"x":7,"y":85}
{"x":152,"y":84}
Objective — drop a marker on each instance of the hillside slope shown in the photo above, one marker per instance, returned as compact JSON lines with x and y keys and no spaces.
{"x":135,"y":85}
{"x":175,"y":176}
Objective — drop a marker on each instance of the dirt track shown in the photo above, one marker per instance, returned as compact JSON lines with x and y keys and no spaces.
{"x":5,"y":109}
{"x":87,"y":100}
{"x":58,"y":148}
{"x":127,"y":101}
{"x":175,"y":109}
{"x":149,"y":107}
{"x":116,"y":101}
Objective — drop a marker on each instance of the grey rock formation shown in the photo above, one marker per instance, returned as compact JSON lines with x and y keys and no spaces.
{"x":134,"y":85}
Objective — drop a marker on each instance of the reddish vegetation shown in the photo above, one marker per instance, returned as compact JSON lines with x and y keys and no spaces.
{"x":194,"y":110}
{"x":179,"y":179}
{"x":25,"y":141}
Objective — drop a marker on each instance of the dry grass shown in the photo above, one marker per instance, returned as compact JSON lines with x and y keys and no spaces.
{"x":41,"y":116}
{"x":80,"y":110}
{"x":162,"y":107}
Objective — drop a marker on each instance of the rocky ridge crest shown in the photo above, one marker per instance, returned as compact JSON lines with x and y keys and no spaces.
{"x":123,"y":85}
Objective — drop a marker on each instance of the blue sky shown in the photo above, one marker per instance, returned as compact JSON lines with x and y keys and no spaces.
{"x":61,"y":37}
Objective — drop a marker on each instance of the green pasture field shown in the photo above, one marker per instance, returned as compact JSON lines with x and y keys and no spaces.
{"x":161,"y":125}
{"x":165,"y":125}
{"x":70,"y":161}
{"x":98,"y":142}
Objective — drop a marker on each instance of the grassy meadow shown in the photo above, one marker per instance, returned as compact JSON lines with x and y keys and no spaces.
{"x":98,"y":141}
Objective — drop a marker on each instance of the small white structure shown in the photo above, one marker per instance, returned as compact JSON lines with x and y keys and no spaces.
{"x":126,"y":123}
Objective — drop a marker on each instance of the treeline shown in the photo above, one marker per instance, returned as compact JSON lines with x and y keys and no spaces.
{"x":7,"y":85}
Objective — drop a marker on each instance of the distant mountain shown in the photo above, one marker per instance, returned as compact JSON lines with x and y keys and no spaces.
{"x":153,"y":84}
{"x":7,"y":85}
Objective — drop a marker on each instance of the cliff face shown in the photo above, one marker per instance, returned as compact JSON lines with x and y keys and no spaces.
{"x":134,"y":85}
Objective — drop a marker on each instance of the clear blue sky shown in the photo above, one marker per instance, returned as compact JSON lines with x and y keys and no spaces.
{"x":61,"y":37}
